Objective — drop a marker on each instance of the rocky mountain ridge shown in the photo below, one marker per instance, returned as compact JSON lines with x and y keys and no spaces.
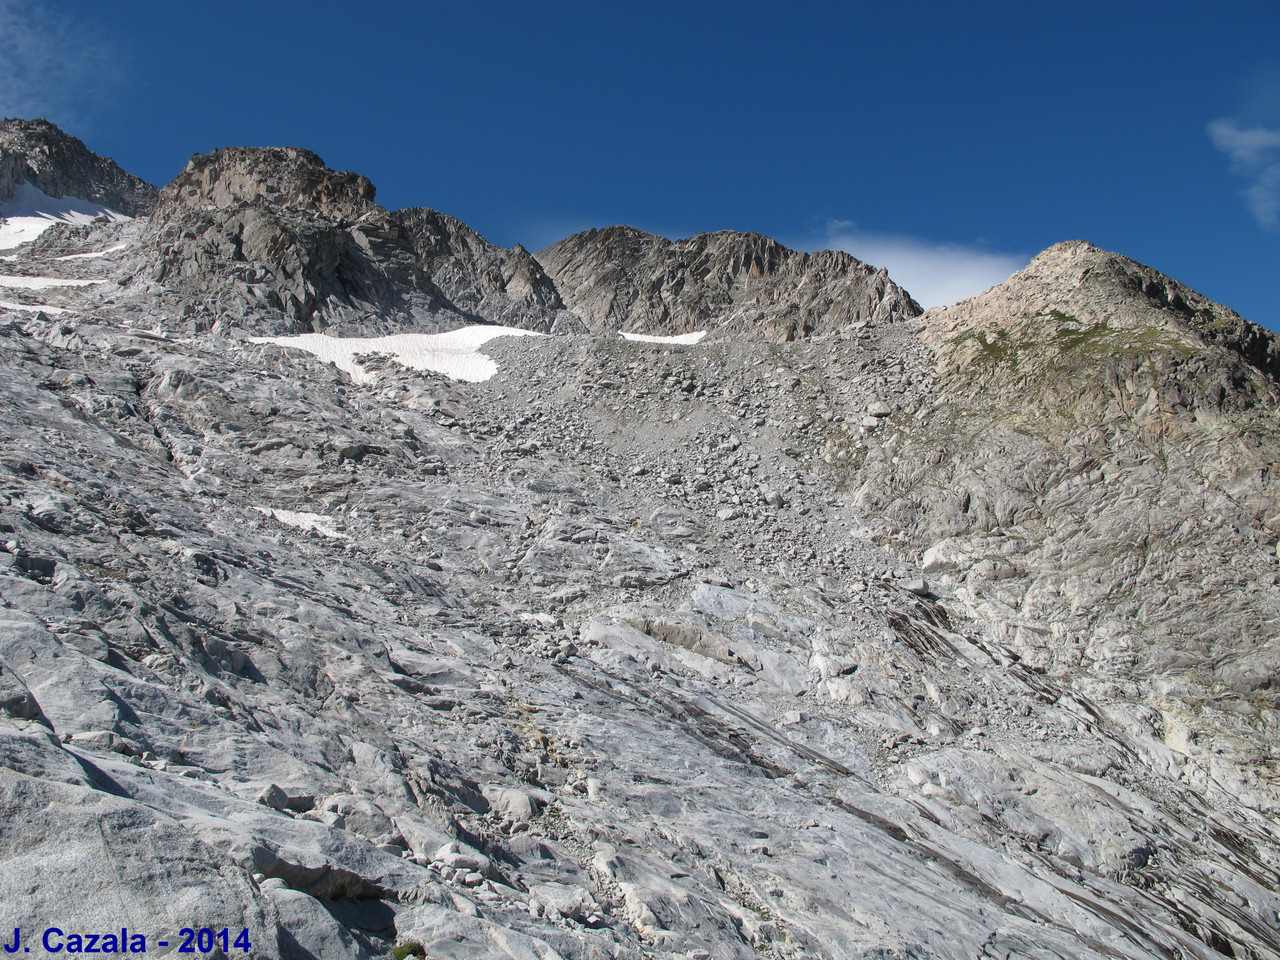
{"x":38,"y":153}
{"x":274,"y":234}
{"x":274,"y":242}
{"x":282,"y":177}
{"x":730,"y":284}
{"x":845,"y":632}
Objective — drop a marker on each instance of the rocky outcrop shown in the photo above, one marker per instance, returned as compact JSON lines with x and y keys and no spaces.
{"x":1076,"y":292}
{"x":1096,"y":477}
{"x":281,"y":177}
{"x":273,"y":241}
{"x":730,"y":284}
{"x":496,"y":284}
{"x":38,"y":153}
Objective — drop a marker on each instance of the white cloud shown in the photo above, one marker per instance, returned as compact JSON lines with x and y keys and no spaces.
{"x":51,"y":65}
{"x":1255,"y":155}
{"x":936,"y":274}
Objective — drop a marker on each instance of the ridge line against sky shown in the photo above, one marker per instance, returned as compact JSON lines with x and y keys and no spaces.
{"x":960,"y":142}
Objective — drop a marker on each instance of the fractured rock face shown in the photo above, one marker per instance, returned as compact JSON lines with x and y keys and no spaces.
{"x":732,"y":284}
{"x":272,"y":241}
{"x":487,"y":283}
{"x":285,"y":177}
{"x":38,"y":153}
{"x":1101,"y":439}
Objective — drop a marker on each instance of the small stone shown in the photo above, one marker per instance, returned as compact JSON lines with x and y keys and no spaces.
{"x":274,"y":797}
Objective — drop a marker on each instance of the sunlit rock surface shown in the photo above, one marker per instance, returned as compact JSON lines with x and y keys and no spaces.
{"x":859,"y":636}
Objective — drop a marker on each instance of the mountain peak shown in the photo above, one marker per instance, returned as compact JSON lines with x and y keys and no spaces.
{"x":1083,"y":263}
{"x":36,"y":128}
{"x":1082,"y":285}
{"x":1077,"y":309}
{"x":1067,"y":249}
{"x":621,"y":278}
{"x":286,"y":176}
{"x":38,"y":153}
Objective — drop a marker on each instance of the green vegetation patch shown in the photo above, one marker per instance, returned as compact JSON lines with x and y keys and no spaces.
{"x":992,"y":348}
{"x":1065,"y":347}
{"x":1102,"y":341}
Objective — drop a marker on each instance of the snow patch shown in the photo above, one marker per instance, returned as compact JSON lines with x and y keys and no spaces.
{"x":31,"y":211}
{"x":52,"y":311}
{"x":302,"y":520}
{"x":679,"y":338}
{"x":87,"y":256}
{"x":42,"y":283}
{"x":456,"y":354}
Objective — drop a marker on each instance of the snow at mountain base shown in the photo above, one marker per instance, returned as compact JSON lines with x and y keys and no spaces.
{"x":31,"y":307}
{"x":30,"y":211}
{"x":42,"y":283}
{"x":679,"y":338}
{"x":456,"y":354}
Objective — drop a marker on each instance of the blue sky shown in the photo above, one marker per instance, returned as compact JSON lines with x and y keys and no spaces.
{"x":948,"y":142}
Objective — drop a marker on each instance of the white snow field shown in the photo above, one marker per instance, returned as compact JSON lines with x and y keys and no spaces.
{"x":679,"y":338}
{"x":303,"y":520}
{"x":91,"y":256}
{"x":31,"y":211}
{"x":42,"y":283}
{"x":34,"y":307}
{"x":456,"y":354}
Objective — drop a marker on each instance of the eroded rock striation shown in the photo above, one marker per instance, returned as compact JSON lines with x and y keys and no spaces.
{"x":1096,"y":476}
{"x":940,"y":636}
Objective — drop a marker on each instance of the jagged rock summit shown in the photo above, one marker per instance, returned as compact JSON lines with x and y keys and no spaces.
{"x":37,"y":153}
{"x":278,"y":176}
{"x":726,"y":283}
{"x":282,"y":234}
{"x":949,"y":636}
{"x":271,"y":240}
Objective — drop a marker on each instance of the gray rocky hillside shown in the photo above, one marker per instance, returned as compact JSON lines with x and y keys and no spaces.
{"x":920,"y":637}
{"x":729,"y":284}
{"x":1096,"y":477}
{"x":38,"y":153}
